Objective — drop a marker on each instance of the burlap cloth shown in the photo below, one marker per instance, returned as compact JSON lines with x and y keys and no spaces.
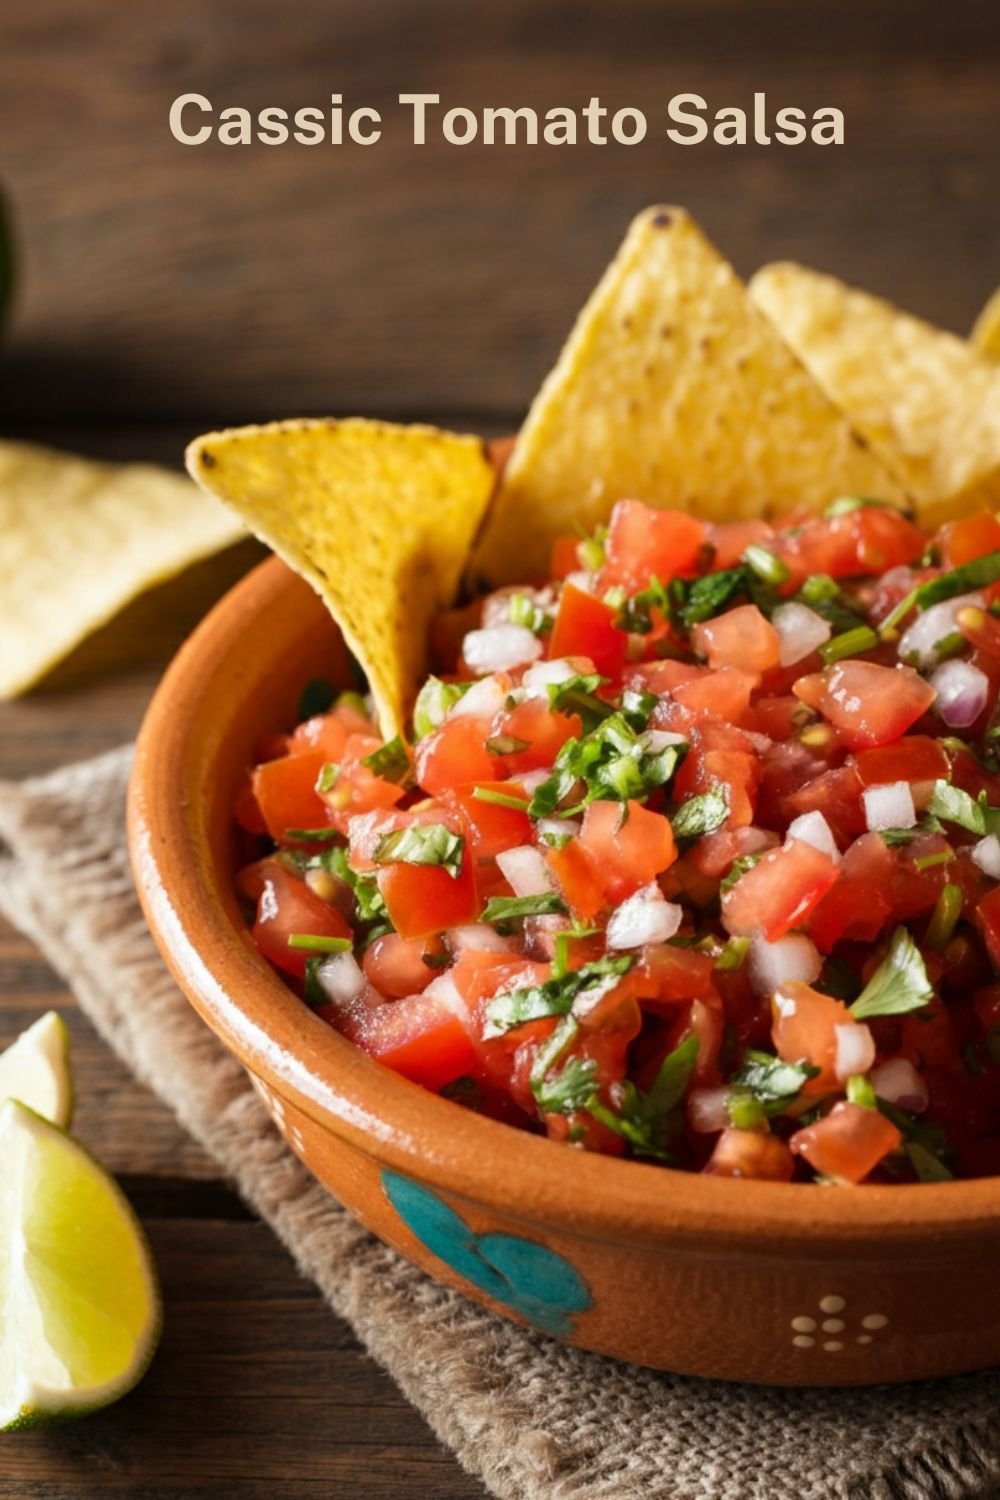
{"x":534,"y":1420}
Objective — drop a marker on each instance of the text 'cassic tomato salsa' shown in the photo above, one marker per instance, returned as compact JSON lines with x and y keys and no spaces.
{"x":694,"y":856}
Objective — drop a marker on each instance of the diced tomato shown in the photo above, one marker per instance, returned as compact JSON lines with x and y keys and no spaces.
{"x":585,"y":626}
{"x":246,"y":810}
{"x":751,"y":1154}
{"x":848,"y":1143}
{"x":628,"y":846}
{"x":396,"y":966}
{"x":455,"y":755}
{"x":287,"y":907}
{"x":858,"y":905}
{"x":544,"y":731}
{"x":804,"y":1029}
{"x":672,"y":975}
{"x":730,"y":540}
{"x":973,"y":536}
{"x":779,"y":892}
{"x":644,"y":543}
{"x":726,"y":692}
{"x":867,"y":704}
{"x":715,"y":853}
{"x":927,"y":1038}
{"x":419,"y":1037}
{"x":778,"y":717}
{"x":425,"y":899}
{"x":489,"y":827}
{"x":565,"y":558}
{"x":837,"y":795}
{"x":578,"y":878}
{"x":741,"y":637}
{"x":988,"y":921}
{"x":868,"y":540}
{"x":915,"y":758}
{"x":329,"y":733}
{"x":358,"y":790}
{"x":285,"y":791}
{"x":662,"y":676}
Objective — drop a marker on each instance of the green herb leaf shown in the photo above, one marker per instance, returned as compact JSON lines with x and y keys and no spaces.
{"x":391,"y":761}
{"x":827,"y":599}
{"x":613,"y":762}
{"x":701,"y":815}
{"x":311,"y":835}
{"x":895,"y":837}
{"x":316,"y":943}
{"x":945,"y":917}
{"x":578,"y":695}
{"x":578,"y":989}
{"x":636,"y":614}
{"x":422,"y":844}
{"x":927,"y":1166}
{"x":509,"y":908}
{"x":745,"y":1112}
{"x":709,"y":595}
{"x":899,"y":985}
{"x":859,"y":1091}
{"x":773,"y":1083}
{"x":327,"y":778}
{"x":524,"y":611}
{"x":733,"y":954}
{"x":570,"y":1089}
{"x":434,"y":701}
{"x":641,"y":1119}
{"x":499,"y":799}
{"x":951,"y":804}
{"x":738,"y":869}
{"x":853,"y":642}
{"x":768,"y":568}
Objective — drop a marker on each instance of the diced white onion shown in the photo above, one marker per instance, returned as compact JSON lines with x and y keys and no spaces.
{"x":444,"y":990}
{"x":483,"y":700}
{"x":646,"y":917}
{"x":898,"y":1082}
{"x":963,"y":692}
{"x":558,"y":828}
{"x":889,"y":806}
{"x":340,"y":977}
{"x":801,"y":631}
{"x":855,"y":1050}
{"x":919,"y":640}
{"x":478,"y":937}
{"x":582,"y":580}
{"x":499,"y":648}
{"x":770,"y":965}
{"x":532,"y":779}
{"x":986,"y":855}
{"x":537,"y":679}
{"x":707,"y":1110}
{"x":525,"y":871}
{"x":812,"y":828}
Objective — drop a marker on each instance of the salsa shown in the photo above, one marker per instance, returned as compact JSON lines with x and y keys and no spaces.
{"x":693,"y":854}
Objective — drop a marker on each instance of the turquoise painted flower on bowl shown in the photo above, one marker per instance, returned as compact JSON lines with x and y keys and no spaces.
{"x":535,"y":1281}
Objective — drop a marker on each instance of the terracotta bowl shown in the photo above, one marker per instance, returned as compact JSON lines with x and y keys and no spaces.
{"x":768,"y":1282}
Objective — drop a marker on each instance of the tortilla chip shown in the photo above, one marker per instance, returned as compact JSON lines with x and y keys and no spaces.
{"x":925,"y":400}
{"x":986,"y":329}
{"x":675,"y":390}
{"x":82,"y":539}
{"x":378,"y":519}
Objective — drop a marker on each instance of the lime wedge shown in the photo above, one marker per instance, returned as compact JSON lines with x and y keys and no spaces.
{"x":35,"y":1070}
{"x":79,"y":1305}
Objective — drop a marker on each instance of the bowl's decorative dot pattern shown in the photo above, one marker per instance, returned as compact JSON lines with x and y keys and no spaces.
{"x":535,"y":1281}
{"x":832,"y":1328}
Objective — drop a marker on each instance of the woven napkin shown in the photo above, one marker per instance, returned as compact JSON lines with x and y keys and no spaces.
{"x":533,"y":1419}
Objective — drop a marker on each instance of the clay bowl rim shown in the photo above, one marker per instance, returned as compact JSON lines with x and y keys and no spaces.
{"x":195,"y":922}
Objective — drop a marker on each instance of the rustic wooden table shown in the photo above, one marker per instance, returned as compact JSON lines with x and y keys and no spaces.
{"x":167,"y":289}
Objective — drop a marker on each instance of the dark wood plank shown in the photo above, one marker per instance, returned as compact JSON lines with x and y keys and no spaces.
{"x":216,"y":282}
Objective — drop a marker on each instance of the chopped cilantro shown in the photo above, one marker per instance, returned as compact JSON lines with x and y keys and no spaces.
{"x":509,"y":908}
{"x":744,"y":1110}
{"x":733,"y":954}
{"x":327,"y":778}
{"x":434,"y":702}
{"x":927,"y":1166}
{"x":899,"y":984}
{"x":641,"y":1118}
{"x":853,"y":642}
{"x":709,"y":595}
{"x":944,"y":918}
{"x":500,"y":799}
{"x":315,"y":943}
{"x":391,"y":761}
{"x":613,"y":762}
{"x":369,"y":902}
{"x":579,"y":695}
{"x":824,"y":597}
{"x":860,"y":1092}
{"x":524,"y":611}
{"x":422,"y":844}
{"x":560,"y":959}
{"x":974,"y":574}
{"x":738,"y":869}
{"x":635,"y":614}
{"x":775,"y":1084}
{"x":569,"y":1089}
{"x":701,"y":815}
{"x":951,"y":804}
{"x":576,"y":989}
{"x":768,"y":568}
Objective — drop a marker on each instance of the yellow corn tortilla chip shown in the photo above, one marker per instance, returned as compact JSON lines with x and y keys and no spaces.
{"x":925,"y":400}
{"x":379,"y":519}
{"x":675,"y":390}
{"x":82,"y":539}
{"x":986,"y":329}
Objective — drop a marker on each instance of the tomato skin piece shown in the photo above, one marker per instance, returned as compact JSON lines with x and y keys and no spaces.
{"x":285,"y":792}
{"x":424,"y":899}
{"x":628,"y":846}
{"x":751,"y":1154}
{"x":740,"y":637}
{"x":288,"y":906}
{"x":987,"y":918}
{"x":490,"y":828}
{"x":455,"y":754}
{"x":725,"y":693}
{"x":973,"y":536}
{"x":778,"y":893}
{"x":867,"y":704}
{"x":577,"y":878}
{"x":395,"y":965}
{"x":857,"y":905}
{"x":584,"y":626}
{"x":848,"y":1143}
{"x":803,"y":1029}
{"x":914,"y":758}
{"x":417,"y":1037}
{"x":644,"y":543}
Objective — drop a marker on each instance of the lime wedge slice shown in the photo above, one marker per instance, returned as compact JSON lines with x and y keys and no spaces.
{"x":35,"y":1070}
{"x":79,"y":1305}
